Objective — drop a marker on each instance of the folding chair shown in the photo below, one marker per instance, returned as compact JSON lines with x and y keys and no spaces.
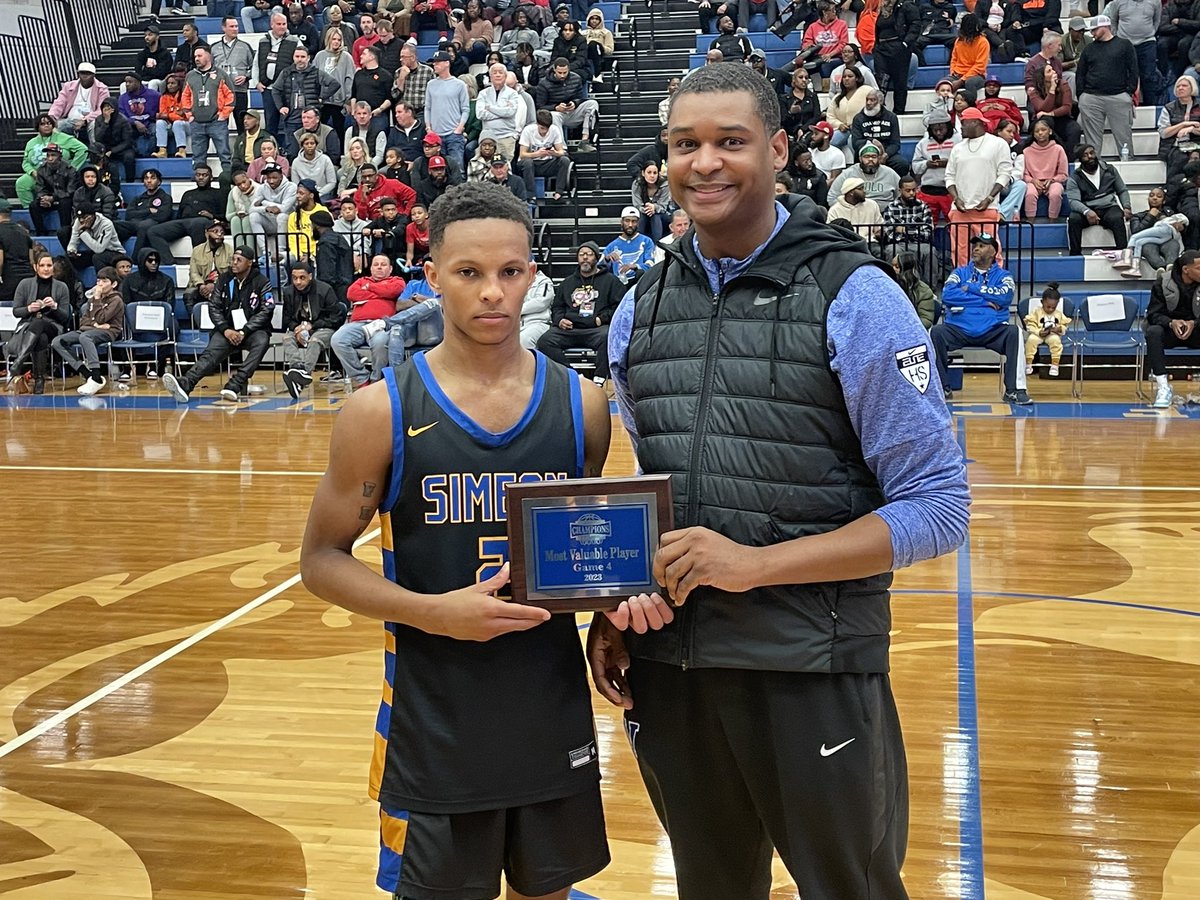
{"x":149,"y":325}
{"x":193,"y":340}
{"x":1106,"y":323}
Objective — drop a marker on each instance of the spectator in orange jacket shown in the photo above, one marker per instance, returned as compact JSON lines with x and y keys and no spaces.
{"x":970,"y":56}
{"x":208,"y":100}
{"x":172,"y":118}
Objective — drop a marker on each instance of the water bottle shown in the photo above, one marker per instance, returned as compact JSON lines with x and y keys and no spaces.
{"x":1124,"y":153}
{"x":304,"y":336}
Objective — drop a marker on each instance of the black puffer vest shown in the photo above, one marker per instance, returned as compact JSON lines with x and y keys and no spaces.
{"x":735,"y":398}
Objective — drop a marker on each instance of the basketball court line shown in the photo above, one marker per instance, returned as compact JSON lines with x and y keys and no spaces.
{"x":170,"y":653}
{"x":276,"y":473}
{"x":300,"y":473}
{"x":970,"y":818}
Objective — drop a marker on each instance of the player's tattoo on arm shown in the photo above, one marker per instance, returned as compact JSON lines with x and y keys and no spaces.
{"x":368,"y":488}
{"x":365,"y":513}
{"x":593,"y":470}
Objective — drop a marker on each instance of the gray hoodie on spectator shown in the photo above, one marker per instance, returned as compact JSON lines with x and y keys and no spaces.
{"x":1135,"y":20}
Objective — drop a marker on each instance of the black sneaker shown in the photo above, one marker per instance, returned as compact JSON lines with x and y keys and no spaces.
{"x":293,"y":383}
{"x":304,"y":378}
{"x":1020,"y":398}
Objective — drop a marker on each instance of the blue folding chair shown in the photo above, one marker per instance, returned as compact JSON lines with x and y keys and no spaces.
{"x":1115,"y":336}
{"x":192,"y":341}
{"x":149,"y":325}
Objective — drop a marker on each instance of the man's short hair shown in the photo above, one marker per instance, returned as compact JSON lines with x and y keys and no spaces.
{"x":202,"y":165}
{"x":108,"y":273}
{"x":363,"y":104}
{"x":300,"y":265}
{"x":225,"y":19}
{"x":368,"y":165}
{"x":157,"y":174}
{"x":729,"y":78}
{"x":908,"y":179}
{"x":476,"y":200}
{"x":560,"y":62}
{"x":545,"y":117}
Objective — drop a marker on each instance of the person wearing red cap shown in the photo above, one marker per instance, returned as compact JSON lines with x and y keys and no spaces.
{"x":980,"y":168}
{"x":829,"y":159}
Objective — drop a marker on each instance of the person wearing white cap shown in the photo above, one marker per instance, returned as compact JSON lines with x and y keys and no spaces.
{"x":1107,"y":76}
{"x":629,"y":254}
{"x":78,"y":103}
{"x":1137,"y":21}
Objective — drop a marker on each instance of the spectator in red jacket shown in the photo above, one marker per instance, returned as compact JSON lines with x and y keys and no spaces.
{"x":994,"y":107}
{"x":372,"y":299}
{"x":373,"y":187}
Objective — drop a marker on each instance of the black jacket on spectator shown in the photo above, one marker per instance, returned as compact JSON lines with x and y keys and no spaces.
{"x":142,"y":285}
{"x":184,"y":55}
{"x":654,"y":153}
{"x":335,"y":262}
{"x":814,"y":185}
{"x":609,"y":291}
{"x":882,"y":130}
{"x":1171,"y":299}
{"x":573,"y":51}
{"x":34,"y":288}
{"x":324,"y":308}
{"x":389,"y":54}
{"x":198,"y":200}
{"x":284,"y":59}
{"x":101,"y":195}
{"x":311,"y":82}
{"x":54,"y":179}
{"x":516,"y":185}
{"x":808,"y":111}
{"x":409,"y":144}
{"x":157,"y":206}
{"x":550,"y":91}
{"x":115,"y":135}
{"x":1107,"y":68}
{"x":307,"y":35}
{"x":253,"y":296}
{"x":154,"y":64}
{"x":732,"y":46}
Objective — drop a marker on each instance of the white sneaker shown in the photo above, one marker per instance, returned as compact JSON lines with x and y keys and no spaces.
{"x":1054,"y":371}
{"x":1162,"y":399}
{"x":174,"y":388}
{"x":229,"y":395}
{"x":92,"y":386}
{"x":152,"y":374}
{"x":1029,"y":370}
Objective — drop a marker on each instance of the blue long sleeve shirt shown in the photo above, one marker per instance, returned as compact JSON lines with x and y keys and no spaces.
{"x":975,"y":301}
{"x":872,"y":333}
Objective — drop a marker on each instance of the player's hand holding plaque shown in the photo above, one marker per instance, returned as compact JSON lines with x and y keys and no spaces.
{"x":586,"y":543}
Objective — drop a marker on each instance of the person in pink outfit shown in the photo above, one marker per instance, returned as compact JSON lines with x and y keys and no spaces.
{"x":1045,"y":171}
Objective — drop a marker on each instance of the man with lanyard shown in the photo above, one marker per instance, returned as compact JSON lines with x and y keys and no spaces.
{"x":812,"y":455}
{"x":234,"y":57}
{"x":274,"y":55}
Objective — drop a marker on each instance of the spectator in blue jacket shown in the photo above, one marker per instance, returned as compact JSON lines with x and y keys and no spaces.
{"x":977,"y":298}
{"x":629,"y":254}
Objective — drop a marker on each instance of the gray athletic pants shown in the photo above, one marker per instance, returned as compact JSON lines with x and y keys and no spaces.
{"x":1095,"y":110}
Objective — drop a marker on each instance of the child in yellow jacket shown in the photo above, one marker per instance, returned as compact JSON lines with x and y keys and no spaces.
{"x":1046,"y":324}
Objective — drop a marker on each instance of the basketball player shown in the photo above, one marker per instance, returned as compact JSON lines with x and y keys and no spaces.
{"x":485,"y":756}
{"x":782,"y":376}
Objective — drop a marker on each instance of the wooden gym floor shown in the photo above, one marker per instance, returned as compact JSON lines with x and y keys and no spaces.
{"x":179,"y":718}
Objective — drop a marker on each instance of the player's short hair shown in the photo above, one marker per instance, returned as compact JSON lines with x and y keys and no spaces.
{"x":476,"y":200}
{"x":730,"y":78}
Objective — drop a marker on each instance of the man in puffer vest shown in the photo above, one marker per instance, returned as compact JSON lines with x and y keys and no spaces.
{"x":782,"y":378}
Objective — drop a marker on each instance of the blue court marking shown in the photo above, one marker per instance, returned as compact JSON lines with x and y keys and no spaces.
{"x":970,"y":816}
{"x":113,"y":399}
{"x":1053,"y":410}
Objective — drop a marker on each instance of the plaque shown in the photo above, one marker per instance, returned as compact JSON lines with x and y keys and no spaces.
{"x":586,"y":543}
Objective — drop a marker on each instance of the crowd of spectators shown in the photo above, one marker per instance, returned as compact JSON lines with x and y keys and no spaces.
{"x":357,"y":137}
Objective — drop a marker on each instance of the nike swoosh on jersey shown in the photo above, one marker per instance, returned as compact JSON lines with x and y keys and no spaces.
{"x":413,"y":432}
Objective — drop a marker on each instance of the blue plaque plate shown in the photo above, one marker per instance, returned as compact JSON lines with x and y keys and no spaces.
{"x":586,"y":543}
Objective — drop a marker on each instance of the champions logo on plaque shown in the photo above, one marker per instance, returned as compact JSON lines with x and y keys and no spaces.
{"x":591,"y":530}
